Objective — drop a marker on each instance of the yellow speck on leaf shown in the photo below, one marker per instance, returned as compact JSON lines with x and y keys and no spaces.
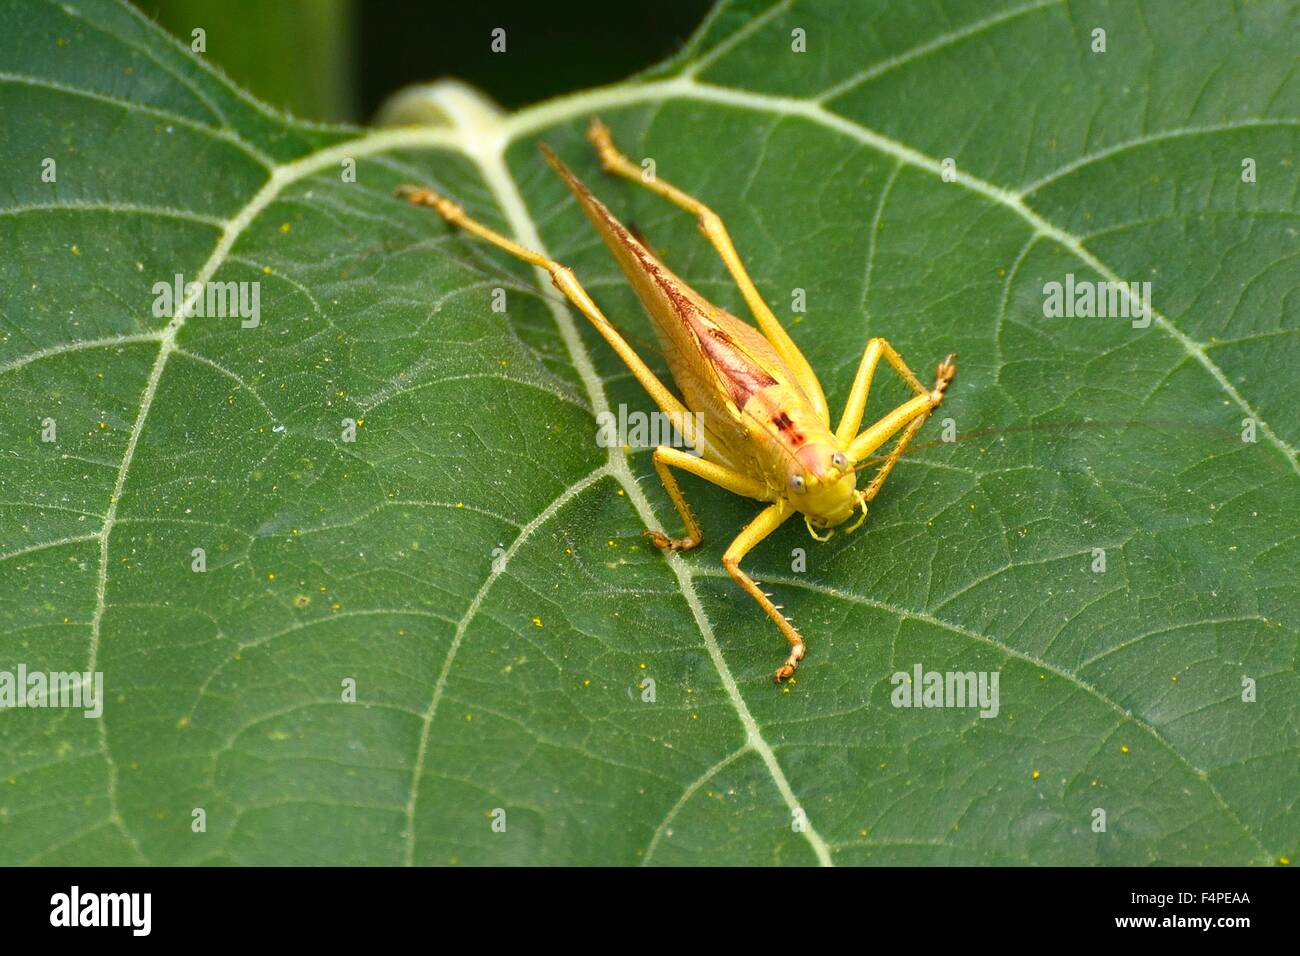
{"x":284,"y":228}
{"x":1284,"y":860}
{"x":183,"y":723}
{"x":642,"y":663}
{"x":586,"y":683}
{"x":1123,"y":748}
{"x":270,"y":575}
{"x":1035,"y":775}
{"x":537,"y":622}
{"x":335,"y":606}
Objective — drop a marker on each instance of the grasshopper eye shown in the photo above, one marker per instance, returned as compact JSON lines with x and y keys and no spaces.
{"x":840,"y":460}
{"x":797,"y":484}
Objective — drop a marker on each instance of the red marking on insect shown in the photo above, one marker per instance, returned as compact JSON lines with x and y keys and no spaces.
{"x":787,"y":428}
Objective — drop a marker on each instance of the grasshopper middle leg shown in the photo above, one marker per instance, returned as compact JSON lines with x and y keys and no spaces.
{"x":616,"y":164}
{"x":666,"y":458}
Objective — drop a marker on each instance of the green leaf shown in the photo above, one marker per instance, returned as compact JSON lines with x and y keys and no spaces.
{"x":474,"y":561}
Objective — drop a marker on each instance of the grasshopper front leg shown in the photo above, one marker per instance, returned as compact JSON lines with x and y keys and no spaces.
{"x":856,"y":406}
{"x":768,"y":520}
{"x":909,"y":417}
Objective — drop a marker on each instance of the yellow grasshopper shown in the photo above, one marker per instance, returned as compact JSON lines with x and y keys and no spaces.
{"x":766,"y":425}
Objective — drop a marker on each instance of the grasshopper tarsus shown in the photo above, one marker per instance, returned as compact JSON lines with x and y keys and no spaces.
{"x":665,"y":543}
{"x":786,"y":670}
{"x":945,"y":373}
{"x":606,"y":153}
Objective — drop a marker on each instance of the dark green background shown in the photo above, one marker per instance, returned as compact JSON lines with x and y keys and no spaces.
{"x":274,"y":49}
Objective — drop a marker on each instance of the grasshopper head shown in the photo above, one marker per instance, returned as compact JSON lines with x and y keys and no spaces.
{"x":824,"y":486}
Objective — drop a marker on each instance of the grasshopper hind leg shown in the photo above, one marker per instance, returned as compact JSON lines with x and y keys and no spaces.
{"x":563,"y":279}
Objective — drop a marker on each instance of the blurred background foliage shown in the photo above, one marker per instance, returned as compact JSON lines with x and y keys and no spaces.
{"x":337,"y":60}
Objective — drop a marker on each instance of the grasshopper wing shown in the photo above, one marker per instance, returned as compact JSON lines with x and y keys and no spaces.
{"x":717,"y":360}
